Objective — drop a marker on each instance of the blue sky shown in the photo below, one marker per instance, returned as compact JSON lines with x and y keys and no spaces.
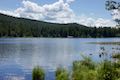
{"x":86,"y":9}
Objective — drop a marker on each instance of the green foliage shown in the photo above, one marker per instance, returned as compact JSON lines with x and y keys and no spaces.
{"x":38,"y":74}
{"x":117,"y":56}
{"x":84,"y":70}
{"x":20,"y":27}
{"x":62,"y":74}
{"x":106,"y":71}
{"x":83,"y":73}
{"x":110,"y":5}
{"x":87,"y":61}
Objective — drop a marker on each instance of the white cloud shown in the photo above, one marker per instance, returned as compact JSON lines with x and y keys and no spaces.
{"x":19,"y":10}
{"x":98,"y":22}
{"x":70,"y":1}
{"x":58,"y":12}
{"x":32,"y":7}
{"x":104,"y":22}
{"x":10,"y":13}
{"x":116,"y":14}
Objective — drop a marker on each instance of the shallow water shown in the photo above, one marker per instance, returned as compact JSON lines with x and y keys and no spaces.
{"x":18,"y":56}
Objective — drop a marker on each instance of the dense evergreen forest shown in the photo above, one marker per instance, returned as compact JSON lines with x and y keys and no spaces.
{"x":21,"y":27}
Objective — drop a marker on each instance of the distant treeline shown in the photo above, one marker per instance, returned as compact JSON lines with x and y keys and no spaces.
{"x":20,"y":27}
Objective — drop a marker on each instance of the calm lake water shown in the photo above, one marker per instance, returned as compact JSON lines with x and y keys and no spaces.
{"x":18,"y":56}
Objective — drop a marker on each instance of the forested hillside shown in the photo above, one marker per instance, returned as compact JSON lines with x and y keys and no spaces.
{"x":21,"y":27}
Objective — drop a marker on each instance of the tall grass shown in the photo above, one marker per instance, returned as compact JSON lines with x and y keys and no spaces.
{"x":62,"y":74}
{"x":106,"y":71}
{"x":88,"y":70}
{"x":84,"y":70}
{"x":38,"y":73}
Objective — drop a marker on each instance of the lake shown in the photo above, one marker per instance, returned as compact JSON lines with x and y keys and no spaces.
{"x":18,"y":56}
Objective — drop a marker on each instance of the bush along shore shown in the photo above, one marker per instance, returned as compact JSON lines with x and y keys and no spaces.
{"x":86,"y":69}
{"x":38,"y":73}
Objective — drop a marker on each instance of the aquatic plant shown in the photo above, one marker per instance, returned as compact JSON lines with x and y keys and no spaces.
{"x":38,"y":73}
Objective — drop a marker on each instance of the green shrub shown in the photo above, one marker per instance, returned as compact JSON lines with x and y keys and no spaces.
{"x":106,"y":71}
{"x":84,"y":70}
{"x":84,"y":73}
{"x":38,"y":74}
{"x":62,"y":74}
{"x":116,"y":56}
